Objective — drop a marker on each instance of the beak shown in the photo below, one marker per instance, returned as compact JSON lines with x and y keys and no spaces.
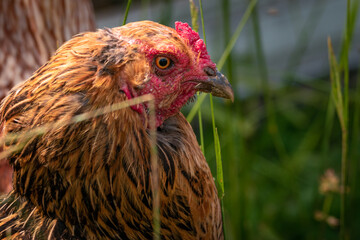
{"x":217,"y":85}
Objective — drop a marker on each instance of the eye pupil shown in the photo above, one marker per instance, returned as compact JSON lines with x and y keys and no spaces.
{"x":163,"y":62}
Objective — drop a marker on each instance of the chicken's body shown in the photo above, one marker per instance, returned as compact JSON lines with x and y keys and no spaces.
{"x":91,"y":179}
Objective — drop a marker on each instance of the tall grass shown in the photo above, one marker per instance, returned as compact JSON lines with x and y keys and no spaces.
{"x":197,"y":107}
{"x":339,"y":75}
{"x":195,"y":25}
{"x":219,"y":170}
{"x":224,"y":56}
{"x":269,"y":104}
{"x":273,"y":151}
{"x":340,"y":98}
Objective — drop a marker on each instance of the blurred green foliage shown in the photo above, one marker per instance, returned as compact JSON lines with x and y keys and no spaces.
{"x":278,"y":142}
{"x":276,"y":145}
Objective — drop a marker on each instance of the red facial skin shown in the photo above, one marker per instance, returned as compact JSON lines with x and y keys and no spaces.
{"x":174,"y":86}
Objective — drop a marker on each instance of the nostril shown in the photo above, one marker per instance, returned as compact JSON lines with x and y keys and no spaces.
{"x":210,"y":71}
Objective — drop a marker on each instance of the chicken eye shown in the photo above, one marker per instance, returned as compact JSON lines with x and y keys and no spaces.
{"x":162,"y":62}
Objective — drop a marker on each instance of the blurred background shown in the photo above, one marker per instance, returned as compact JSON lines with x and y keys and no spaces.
{"x":281,"y":141}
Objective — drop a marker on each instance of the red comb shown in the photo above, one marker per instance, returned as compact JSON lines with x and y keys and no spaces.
{"x":197,"y":44}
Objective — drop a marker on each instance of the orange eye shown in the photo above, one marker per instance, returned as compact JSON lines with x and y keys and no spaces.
{"x":162,"y":62}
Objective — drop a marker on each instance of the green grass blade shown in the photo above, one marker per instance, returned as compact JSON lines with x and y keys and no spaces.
{"x":200,"y":99}
{"x":354,"y":159}
{"x":342,"y":103}
{"x":341,"y":107}
{"x":127,"y":11}
{"x":335,"y":82}
{"x":194,"y":15}
{"x":198,"y":94}
{"x":304,"y":36}
{"x":202,"y":143}
{"x":202,"y":20}
{"x":225,"y":55}
{"x":272,"y":126}
{"x":216,"y":138}
{"x":345,"y":127}
{"x":328,"y":126}
{"x":219,"y":169}
{"x":194,"y":20}
{"x":349,"y":31}
{"x":220,"y":176}
{"x":236,"y":34}
{"x":226,"y":16}
{"x":346,"y":62}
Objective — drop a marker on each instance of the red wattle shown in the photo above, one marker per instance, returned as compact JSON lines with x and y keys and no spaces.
{"x":138,"y":107}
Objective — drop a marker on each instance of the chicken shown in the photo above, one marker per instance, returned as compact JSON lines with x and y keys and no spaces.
{"x":30,"y":32}
{"x":91,"y":179}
